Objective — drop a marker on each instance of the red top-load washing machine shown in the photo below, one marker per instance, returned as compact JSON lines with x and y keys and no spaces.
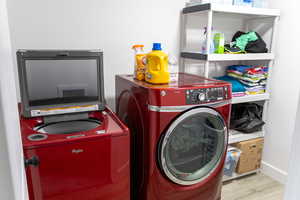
{"x":79,"y":159}
{"x":75,"y":148}
{"x":179,"y":136}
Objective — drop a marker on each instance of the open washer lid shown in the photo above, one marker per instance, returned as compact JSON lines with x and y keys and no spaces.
{"x":193,"y":146}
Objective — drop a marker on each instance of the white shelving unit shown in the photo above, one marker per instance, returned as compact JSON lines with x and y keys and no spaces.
{"x":251,"y":98}
{"x":208,"y":14}
{"x":235,"y":136}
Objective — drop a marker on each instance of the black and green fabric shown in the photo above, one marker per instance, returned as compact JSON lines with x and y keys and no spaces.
{"x":250,"y":42}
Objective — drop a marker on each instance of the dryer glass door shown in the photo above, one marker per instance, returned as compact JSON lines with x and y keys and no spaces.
{"x":193,"y":146}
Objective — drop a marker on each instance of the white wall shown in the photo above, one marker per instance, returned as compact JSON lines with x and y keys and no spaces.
{"x":113,"y":26}
{"x":12,"y":182}
{"x":6,"y":185}
{"x":285,"y":91}
{"x":292,"y":192}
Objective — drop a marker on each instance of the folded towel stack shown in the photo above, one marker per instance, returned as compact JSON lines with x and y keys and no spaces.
{"x":252,"y":78}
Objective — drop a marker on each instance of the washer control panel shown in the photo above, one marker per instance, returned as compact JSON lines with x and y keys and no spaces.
{"x":206,"y":95}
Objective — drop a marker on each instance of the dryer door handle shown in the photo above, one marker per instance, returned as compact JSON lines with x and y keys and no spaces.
{"x":34,"y":161}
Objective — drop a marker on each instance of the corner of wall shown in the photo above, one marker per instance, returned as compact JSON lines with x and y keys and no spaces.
{"x":275,"y":173}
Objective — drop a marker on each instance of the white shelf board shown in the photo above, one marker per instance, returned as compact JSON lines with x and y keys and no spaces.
{"x":257,"y":12}
{"x":236,"y":136}
{"x":227,"y":57}
{"x":236,"y":175}
{"x":251,"y":98}
{"x":248,"y":56}
{"x":245,"y":10}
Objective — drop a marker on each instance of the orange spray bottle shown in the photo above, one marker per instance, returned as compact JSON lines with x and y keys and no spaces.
{"x":140,"y":67}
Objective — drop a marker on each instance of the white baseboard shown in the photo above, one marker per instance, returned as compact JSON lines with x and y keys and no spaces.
{"x":275,"y":173}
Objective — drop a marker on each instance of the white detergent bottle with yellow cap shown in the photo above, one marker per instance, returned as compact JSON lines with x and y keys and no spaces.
{"x":157,"y":71}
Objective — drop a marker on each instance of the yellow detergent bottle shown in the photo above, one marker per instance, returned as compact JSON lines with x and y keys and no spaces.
{"x":140,"y":67}
{"x":157,"y":66}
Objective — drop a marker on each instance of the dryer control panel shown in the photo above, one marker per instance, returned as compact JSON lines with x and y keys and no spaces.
{"x":206,"y":95}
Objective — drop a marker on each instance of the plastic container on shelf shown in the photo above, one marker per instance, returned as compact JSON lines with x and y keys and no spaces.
{"x":232,"y":158}
{"x":246,"y":3}
{"x":219,"y":42}
{"x":204,"y":49}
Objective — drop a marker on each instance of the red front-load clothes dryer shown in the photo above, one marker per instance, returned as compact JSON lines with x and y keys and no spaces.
{"x":179,"y":136}
{"x":77,"y":160}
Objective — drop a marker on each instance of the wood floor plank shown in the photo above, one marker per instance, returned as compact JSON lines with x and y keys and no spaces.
{"x":253,"y":187}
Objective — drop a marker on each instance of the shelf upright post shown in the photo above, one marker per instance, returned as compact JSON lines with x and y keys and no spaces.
{"x":271,"y":64}
{"x":208,"y":41}
{"x":272,"y":50}
{"x":183,"y":38}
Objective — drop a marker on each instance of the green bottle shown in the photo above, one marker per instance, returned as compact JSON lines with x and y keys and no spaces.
{"x":219,"y":41}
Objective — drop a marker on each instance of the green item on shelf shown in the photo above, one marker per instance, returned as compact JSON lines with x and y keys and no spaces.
{"x":219,"y":41}
{"x":244,"y":39}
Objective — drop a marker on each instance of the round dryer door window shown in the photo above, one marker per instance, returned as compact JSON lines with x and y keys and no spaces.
{"x":193,"y":146}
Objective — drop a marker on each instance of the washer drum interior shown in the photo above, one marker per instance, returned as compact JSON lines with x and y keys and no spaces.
{"x":68,"y":127}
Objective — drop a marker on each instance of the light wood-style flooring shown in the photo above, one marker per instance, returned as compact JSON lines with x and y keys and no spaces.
{"x":253,"y":187}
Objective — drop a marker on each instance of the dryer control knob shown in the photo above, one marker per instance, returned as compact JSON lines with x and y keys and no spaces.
{"x":201,"y":97}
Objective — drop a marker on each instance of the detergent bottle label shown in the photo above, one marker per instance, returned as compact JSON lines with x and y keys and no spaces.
{"x":140,"y":67}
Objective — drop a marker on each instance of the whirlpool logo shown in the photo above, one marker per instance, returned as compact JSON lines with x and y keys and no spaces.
{"x":77,"y":151}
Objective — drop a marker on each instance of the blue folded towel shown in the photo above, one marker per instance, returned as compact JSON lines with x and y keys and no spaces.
{"x":236,"y":85}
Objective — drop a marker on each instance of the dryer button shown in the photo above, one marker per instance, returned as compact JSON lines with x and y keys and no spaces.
{"x":201,"y":97}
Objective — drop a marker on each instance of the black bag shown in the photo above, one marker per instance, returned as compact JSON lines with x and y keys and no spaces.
{"x":257,"y":46}
{"x":246,"y":117}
